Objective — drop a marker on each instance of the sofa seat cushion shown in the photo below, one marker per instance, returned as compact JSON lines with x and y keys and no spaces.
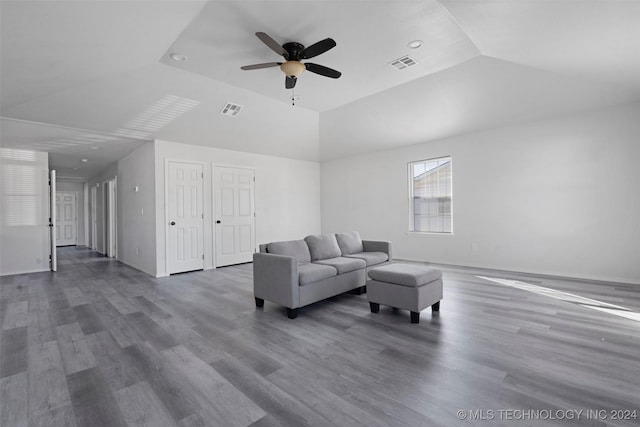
{"x":371,"y":258}
{"x":294,"y":248}
{"x":405,"y":274}
{"x":343,"y":264}
{"x":350,"y":243}
{"x":311,"y":273}
{"x":323,"y":246}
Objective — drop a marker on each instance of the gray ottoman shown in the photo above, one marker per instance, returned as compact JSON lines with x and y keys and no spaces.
{"x":407,"y":286}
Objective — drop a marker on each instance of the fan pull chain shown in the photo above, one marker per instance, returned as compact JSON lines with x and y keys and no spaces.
{"x":293,"y":96}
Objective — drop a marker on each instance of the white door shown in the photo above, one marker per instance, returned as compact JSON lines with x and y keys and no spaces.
{"x":104,"y":249}
{"x":111,"y":216}
{"x":94,"y":219}
{"x":53,"y":257}
{"x":235,"y":215}
{"x":186,"y":217}
{"x":66,"y":219}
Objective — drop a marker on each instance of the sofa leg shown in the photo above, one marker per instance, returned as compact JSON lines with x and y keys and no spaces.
{"x":415,"y":317}
{"x":292,"y":313}
{"x":259,"y":302}
{"x":359,"y":291}
{"x":436,"y":306}
{"x":374,"y":306}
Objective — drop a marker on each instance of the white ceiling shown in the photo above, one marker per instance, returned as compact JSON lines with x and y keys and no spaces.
{"x":67,"y":147}
{"x":368,"y":37}
{"x":102,"y":68}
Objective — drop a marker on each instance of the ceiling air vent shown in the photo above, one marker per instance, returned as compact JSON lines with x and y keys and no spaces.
{"x":403,"y":62}
{"x":231,"y":110}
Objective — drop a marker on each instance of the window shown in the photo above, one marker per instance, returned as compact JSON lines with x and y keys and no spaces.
{"x":430,"y":196}
{"x":20,"y":194}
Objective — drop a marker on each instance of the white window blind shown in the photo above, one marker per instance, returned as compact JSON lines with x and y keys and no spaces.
{"x":430,"y":191}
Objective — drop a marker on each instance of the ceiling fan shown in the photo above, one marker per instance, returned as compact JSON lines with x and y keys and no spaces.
{"x":293,"y":53}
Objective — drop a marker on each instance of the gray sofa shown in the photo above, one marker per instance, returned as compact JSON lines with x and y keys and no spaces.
{"x":297,"y":273}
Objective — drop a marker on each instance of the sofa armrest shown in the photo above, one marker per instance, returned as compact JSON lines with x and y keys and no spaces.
{"x":377,"y":246}
{"x":275,"y":278}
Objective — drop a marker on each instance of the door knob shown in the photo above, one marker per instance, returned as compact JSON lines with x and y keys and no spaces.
{"x":172,"y":223}
{"x":218,"y":222}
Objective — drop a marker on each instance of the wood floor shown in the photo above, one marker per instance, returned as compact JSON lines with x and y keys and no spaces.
{"x":101,"y":344}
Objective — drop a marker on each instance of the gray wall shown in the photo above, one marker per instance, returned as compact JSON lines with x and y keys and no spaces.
{"x":136,"y":216}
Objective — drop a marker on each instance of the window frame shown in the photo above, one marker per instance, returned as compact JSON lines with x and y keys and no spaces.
{"x":411,"y":198}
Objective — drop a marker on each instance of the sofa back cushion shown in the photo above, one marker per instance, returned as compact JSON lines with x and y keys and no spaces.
{"x":294,"y":248}
{"x":323,"y":246}
{"x":350,"y":243}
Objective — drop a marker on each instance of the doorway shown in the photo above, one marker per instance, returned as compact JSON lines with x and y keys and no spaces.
{"x":66,"y":219}
{"x":234,"y":190}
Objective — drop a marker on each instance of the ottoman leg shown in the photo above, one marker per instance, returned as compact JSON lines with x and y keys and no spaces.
{"x":259,"y":302}
{"x":436,"y":306}
{"x":375,"y":307}
{"x":292,"y":313}
{"x":415,"y":317}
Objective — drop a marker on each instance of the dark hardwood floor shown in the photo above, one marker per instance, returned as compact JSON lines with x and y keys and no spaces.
{"x":101,"y":344}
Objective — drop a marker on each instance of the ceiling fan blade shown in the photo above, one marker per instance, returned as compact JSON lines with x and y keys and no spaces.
{"x":322,"y":70}
{"x":290,"y":82}
{"x":273,"y":45}
{"x":258,"y":66}
{"x":317,"y":48}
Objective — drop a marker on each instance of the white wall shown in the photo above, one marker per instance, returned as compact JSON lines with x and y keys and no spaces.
{"x":78,"y":188}
{"x":554,"y":197}
{"x":24,"y":210}
{"x":287,"y":194}
{"x":136,"y":209}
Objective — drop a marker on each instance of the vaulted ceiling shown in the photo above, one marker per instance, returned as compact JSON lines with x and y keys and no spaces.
{"x":76,"y":75}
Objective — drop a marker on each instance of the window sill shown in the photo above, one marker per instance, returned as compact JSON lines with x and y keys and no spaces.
{"x":428,"y":234}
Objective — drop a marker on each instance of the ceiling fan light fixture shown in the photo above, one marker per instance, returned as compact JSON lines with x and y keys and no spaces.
{"x":293,"y":68}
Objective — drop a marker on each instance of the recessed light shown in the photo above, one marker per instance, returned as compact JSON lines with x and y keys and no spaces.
{"x":84,"y":160}
{"x":95,"y":148}
{"x":178,"y":57}
{"x":415,"y":44}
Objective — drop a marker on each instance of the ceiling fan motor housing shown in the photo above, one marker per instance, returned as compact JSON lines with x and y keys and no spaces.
{"x":294,"y":50}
